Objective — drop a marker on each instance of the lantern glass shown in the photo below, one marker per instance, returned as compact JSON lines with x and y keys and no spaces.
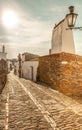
{"x":71,"y":19}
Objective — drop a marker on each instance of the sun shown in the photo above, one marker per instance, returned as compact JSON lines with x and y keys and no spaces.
{"x":9,"y":19}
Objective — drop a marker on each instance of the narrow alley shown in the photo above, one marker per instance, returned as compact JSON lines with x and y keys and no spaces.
{"x":25,"y":105}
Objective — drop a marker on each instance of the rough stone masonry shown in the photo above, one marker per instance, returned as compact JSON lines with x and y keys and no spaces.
{"x":63,"y":71}
{"x":3,"y":74}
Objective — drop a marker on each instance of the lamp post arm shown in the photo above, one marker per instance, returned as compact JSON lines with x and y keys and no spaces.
{"x":80,"y":28}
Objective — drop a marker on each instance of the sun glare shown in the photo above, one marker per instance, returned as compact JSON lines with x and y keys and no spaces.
{"x":9,"y":19}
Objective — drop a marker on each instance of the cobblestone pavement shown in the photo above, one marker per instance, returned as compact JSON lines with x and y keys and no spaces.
{"x":25,"y":105}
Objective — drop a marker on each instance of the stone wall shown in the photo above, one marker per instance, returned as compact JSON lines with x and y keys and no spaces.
{"x":63,"y":71}
{"x":3,"y":74}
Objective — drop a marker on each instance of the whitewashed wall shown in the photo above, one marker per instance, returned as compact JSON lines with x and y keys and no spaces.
{"x":62,"y":39}
{"x":29,"y":69}
{"x":56,"y":39}
{"x":8,"y":63}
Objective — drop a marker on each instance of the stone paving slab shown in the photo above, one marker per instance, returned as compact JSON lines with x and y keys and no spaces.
{"x":25,"y":105}
{"x":65,"y":116}
{"x":23,"y":113}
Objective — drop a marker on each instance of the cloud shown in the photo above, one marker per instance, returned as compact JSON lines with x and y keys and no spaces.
{"x":30,"y":35}
{"x":57,"y":9}
{"x":34,"y":31}
{"x":30,"y":31}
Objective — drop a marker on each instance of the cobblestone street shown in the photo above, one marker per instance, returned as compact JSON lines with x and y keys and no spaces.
{"x":25,"y":105}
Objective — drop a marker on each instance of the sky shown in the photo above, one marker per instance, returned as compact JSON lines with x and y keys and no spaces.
{"x":36,"y":19}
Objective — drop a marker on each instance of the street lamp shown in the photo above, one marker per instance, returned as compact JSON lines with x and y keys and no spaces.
{"x":71,"y":19}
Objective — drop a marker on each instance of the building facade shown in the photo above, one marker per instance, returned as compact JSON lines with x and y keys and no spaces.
{"x":3,"y":54}
{"x":62,"y":39}
{"x":29,"y":70}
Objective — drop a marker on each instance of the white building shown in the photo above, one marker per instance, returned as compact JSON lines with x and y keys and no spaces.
{"x":62,"y":39}
{"x":29,"y":66}
{"x":3,"y":54}
{"x":29,"y":70}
